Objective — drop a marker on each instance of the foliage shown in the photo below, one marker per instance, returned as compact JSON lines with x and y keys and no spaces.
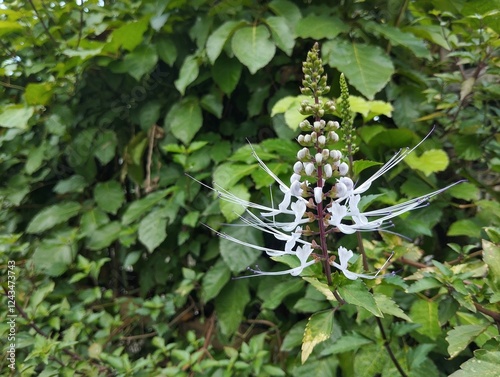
{"x":105,"y":107}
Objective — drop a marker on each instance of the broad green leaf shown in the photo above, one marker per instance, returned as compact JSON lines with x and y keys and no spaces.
{"x":188,"y":73}
{"x":214,"y":280}
{"x":213,"y":104}
{"x":465,"y":191}
{"x":425,"y":313}
{"x":434,"y":33}
{"x":228,"y":174}
{"x":370,"y":361}
{"x":369,"y":109}
{"x":75,"y":183}
{"x":166,"y":50}
{"x":431,"y":161}
{"x":53,"y":215}
{"x":230,"y":304}
{"x":288,"y":10}
{"x":461,"y":336}
{"x":287,"y":103}
{"x":184,"y":119}
{"x":15,"y":116}
{"x":293,"y":338}
{"x":318,"y":329}
{"x":465,"y":227}
{"x":138,"y":62}
{"x":236,"y":256}
{"x":149,"y":114}
{"x":356,"y":293}
{"x":142,"y":206}
{"x":320,"y":27}
{"x":226,"y":73}
{"x":40,"y":294}
{"x":91,"y":220}
{"x":252,"y":46}
{"x":35,"y":159}
{"x":233,"y":211}
{"x":367,"y":67}
{"x":54,"y":256}
{"x":491,"y":256}
{"x":109,"y":196}
{"x":346,"y":343}
{"x":104,"y":236}
{"x":280,"y":291}
{"x":39,"y":93}
{"x":281,"y":33}
{"x":423,"y":285}
{"x":152,"y":230}
{"x":7,"y":27}
{"x":128,"y":36}
{"x":388,"y":306}
{"x":400,"y":38}
{"x":484,"y":364}
{"x":105,"y":146}
{"x":217,"y":40}
{"x":360,"y":165}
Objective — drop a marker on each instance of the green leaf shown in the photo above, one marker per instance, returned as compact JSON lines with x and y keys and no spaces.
{"x":152,"y":230}
{"x":219,"y":37}
{"x":105,"y":146}
{"x":128,"y":36}
{"x":236,"y":256}
{"x":228,"y":174}
{"x":370,"y":360}
{"x":226,"y":73}
{"x":464,"y":191}
{"x":233,"y":211}
{"x":318,"y":329}
{"x":460,"y":337}
{"x":213,"y":104}
{"x":149,"y":114}
{"x":252,"y":46}
{"x":288,"y":10}
{"x":425,"y":313}
{"x":7,"y":27}
{"x":281,"y":33}
{"x":346,"y":343}
{"x":142,"y":206}
{"x":400,"y":38}
{"x":424,"y":284}
{"x":280,"y":291}
{"x":360,"y":165}
{"x":75,"y":183}
{"x":369,"y":109}
{"x":53,"y":256}
{"x":388,"y":306}
{"x":109,"y":196}
{"x":484,"y":364}
{"x":431,"y":161}
{"x":230,"y":304}
{"x":53,"y":215}
{"x":166,"y":50}
{"x":184,"y":119}
{"x":465,"y":227}
{"x":39,"y":93}
{"x":214,"y":280}
{"x":16,"y":116}
{"x":35,"y":159}
{"x":102,"y":237}
{"x":189,"y":71}
{"x":320,"y":27}
{"x":137,"y":63}
{"x":367,"y":67}
{"x":321,"y":287}
{"x":491,"y":256}
{"x":356,"y":293}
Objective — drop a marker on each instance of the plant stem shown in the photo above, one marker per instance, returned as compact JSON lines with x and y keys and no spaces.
{"x":387,"y":345}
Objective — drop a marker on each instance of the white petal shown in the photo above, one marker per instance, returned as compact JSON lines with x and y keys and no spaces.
{"x":318,"y":194}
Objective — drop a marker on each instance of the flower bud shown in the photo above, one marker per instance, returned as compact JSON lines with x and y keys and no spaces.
{"x":314,"y":136}
{"x":297,"y":167}
{"x":309,"y":168}
{"x":322,"y":141}
{"x":319,"y":158}
{"x":335,"y":155}
{"x":307,"y":139}
{"x":318,"y":194}
{"x":300,"y":139}
{"x":294,"y":177}
{"x":332,"y":135}
{"x":325,"y":153}
{"x":343,"y":168}
{"x":327,"y":168}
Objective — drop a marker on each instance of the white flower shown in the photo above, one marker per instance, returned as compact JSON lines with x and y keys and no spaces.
{"x":344,"y":257}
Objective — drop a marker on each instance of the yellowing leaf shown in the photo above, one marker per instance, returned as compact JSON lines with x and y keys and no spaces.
{"x":319,"y":328}
{"x":429,"y":162}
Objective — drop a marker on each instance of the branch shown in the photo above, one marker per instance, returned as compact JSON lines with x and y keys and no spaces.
{"x":43,"y":23}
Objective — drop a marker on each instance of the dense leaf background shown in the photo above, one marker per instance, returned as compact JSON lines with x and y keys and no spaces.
{"x":105,"y":105}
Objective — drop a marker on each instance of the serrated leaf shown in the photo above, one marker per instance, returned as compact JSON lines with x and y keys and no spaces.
{"x":189,"y":71}
{"x":424,"y":284}
{"x":252,"y":46}
{"x":484,"y":364}
{"x":318,"y":329}
{"x":219,"y":37}
{"x":491,"y":256}
{"x":214,"y":280}
{"x":104,"y":236}
{"x":388,"y":306}
{"x":460,"y":337}
{"x":236,"y":256}
{"x":369,"y":361}
{"x":152,"y":230}
{"x":233,"y":211}
{"x":53,"y":215}
{"x":109,"y":196}
{"x":230,"y":304}
{"x":367,"y":67}
{"x":465,"y":227}
{"x":429,"y":162}
{"x":346,"y":343}
{"x":142,"y":206}
{"x":280,"y":291}
{"x":356,"y":293}
{"x":321,"y":287}
{"x":320,"y":27}
{"x":425,"y":313}
{"x":184,"y":119}
{"x":281,"y":33}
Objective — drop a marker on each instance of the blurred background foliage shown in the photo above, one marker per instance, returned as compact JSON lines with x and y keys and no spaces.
{"x":105,"y":105}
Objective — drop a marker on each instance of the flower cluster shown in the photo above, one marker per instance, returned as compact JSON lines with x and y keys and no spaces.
{"x":307,"y":199}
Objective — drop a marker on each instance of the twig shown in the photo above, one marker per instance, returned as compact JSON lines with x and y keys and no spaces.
{"x":387,"y":346}
{"x":43,"y":23}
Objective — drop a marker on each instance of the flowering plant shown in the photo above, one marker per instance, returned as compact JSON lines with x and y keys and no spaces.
{"x":321,"y":198}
